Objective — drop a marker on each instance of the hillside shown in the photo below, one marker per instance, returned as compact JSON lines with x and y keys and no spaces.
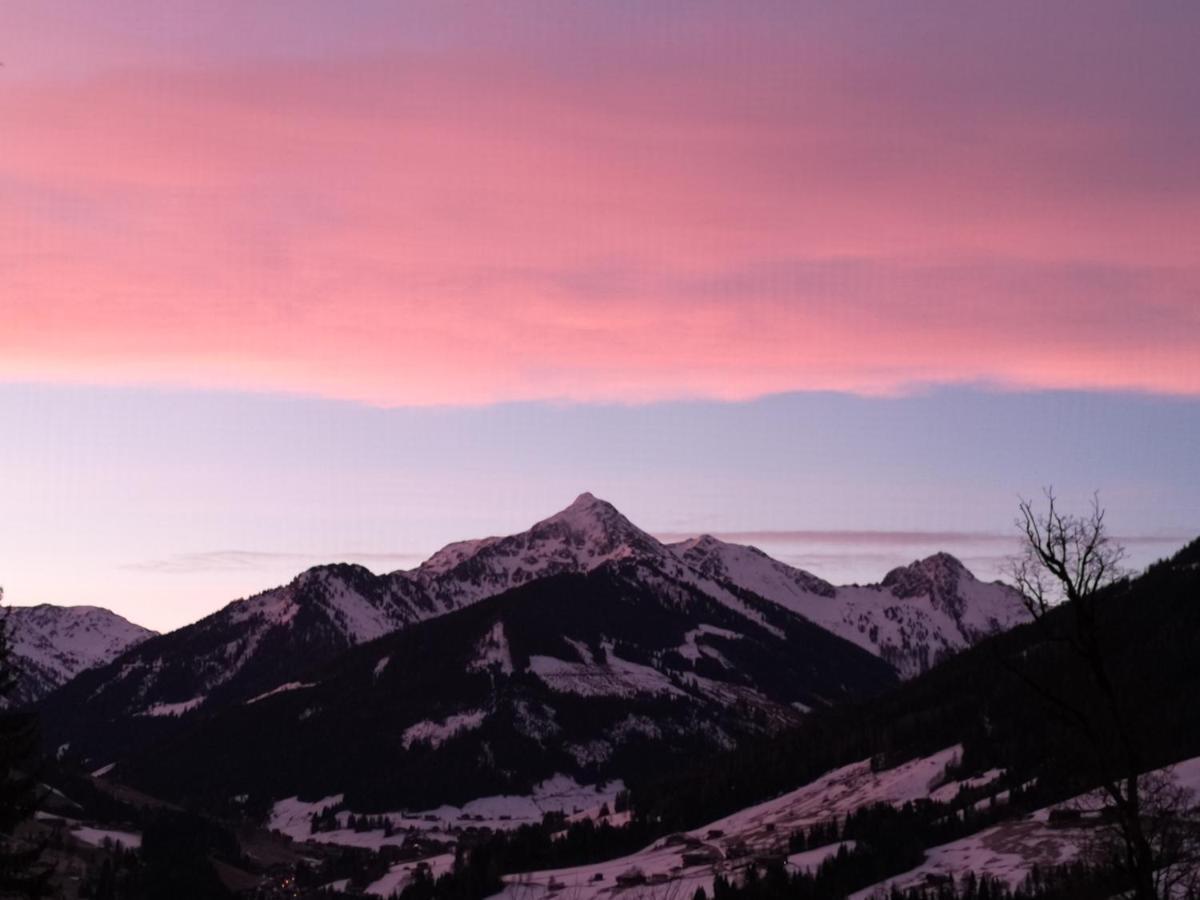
{"x":615,"y":673}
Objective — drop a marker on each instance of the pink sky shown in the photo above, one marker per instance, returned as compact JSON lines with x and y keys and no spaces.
{"x":722,"y":207}
{"x":454,"y":203}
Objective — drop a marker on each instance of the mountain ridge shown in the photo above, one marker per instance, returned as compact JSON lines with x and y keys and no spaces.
{"x":52,"y":644}
{"x":590,"y":675}
{"x":255,"y":644}
{"x":886,"y":618}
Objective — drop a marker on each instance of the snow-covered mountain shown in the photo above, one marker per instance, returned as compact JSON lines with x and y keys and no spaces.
{"x":613,"y":673}
{"x":535,"y":700}
{"x":587,"y":534}
{"x":53,"y":644}
{"x":711,"y":659}
{"x":253,"y":645}
{"x":915,"y":617}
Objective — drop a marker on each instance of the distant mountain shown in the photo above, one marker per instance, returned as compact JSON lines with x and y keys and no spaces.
{"x":256,"y":644}
{"x":234,"y":663}
{"x":251,"y":645}
{"x":918,"y":615}
{"x":616,"y":672}
{"x":587,"y":534}
{"x":53,"y":644}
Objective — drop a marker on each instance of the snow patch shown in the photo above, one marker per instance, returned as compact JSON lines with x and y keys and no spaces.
{"x":560,"y":793}
{"x":615,"y":677}
{"x":283,"y":688}
{"x":693,"y":650}
{"x":399,"y":875}
{"x":173,"y":709}
{"x":361,"y":620}
{"x":437,"y":733}
{"x":293,"y":816}
{"x":492,"y":652}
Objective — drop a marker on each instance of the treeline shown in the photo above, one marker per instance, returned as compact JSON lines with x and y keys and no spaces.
{"x":835,"y":879}
{"x":327,"y":819}
{"x":479,"y":865}
{"x":877,"y":842}
{"x":874,"y":843}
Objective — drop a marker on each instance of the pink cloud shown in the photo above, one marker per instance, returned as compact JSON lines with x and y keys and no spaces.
{"x":472,"y":228}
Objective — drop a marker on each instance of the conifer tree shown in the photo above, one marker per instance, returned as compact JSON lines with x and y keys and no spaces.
{"x":21,"y":874}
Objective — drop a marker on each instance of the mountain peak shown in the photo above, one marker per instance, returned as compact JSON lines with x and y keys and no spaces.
{"x":591,"y":518}
{"x":922,"y":577}
{"x":586,"y":505}
{"x":944,"y":560}
{"x":948,"y":586}
{"x":349,"y":572}
{"x":52,"y":644}
{"x":584,"y":535}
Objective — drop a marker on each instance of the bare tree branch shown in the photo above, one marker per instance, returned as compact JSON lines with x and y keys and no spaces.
{"x":1067,"y":561}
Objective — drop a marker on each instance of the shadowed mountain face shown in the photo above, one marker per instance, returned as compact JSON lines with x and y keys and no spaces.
{"x":607,"y":674}
{"x":575,"y":634}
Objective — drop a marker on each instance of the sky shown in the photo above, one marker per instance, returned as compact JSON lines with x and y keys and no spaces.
{"x":285,"y":282}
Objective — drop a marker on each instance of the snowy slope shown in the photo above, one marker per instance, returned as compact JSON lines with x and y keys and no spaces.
{"x":918,"y":615}
{"x":736,"y":840}
{"x":1007,"y":851}
{"x":560,"y":793}
{"x":254,"y":645}
{"x":587,"y":534}
{"x":1010,"y":850}
{"x":53,"y":644}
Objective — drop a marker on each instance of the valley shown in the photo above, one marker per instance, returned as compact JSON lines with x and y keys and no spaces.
{"x":582,"y":711}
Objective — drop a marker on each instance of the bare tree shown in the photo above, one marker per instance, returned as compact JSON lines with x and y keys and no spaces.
{"x":1066,"y":564}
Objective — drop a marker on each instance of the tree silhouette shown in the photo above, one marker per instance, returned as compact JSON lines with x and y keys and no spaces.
{"x":21,"y":874}
{"x":1067,"y":573}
